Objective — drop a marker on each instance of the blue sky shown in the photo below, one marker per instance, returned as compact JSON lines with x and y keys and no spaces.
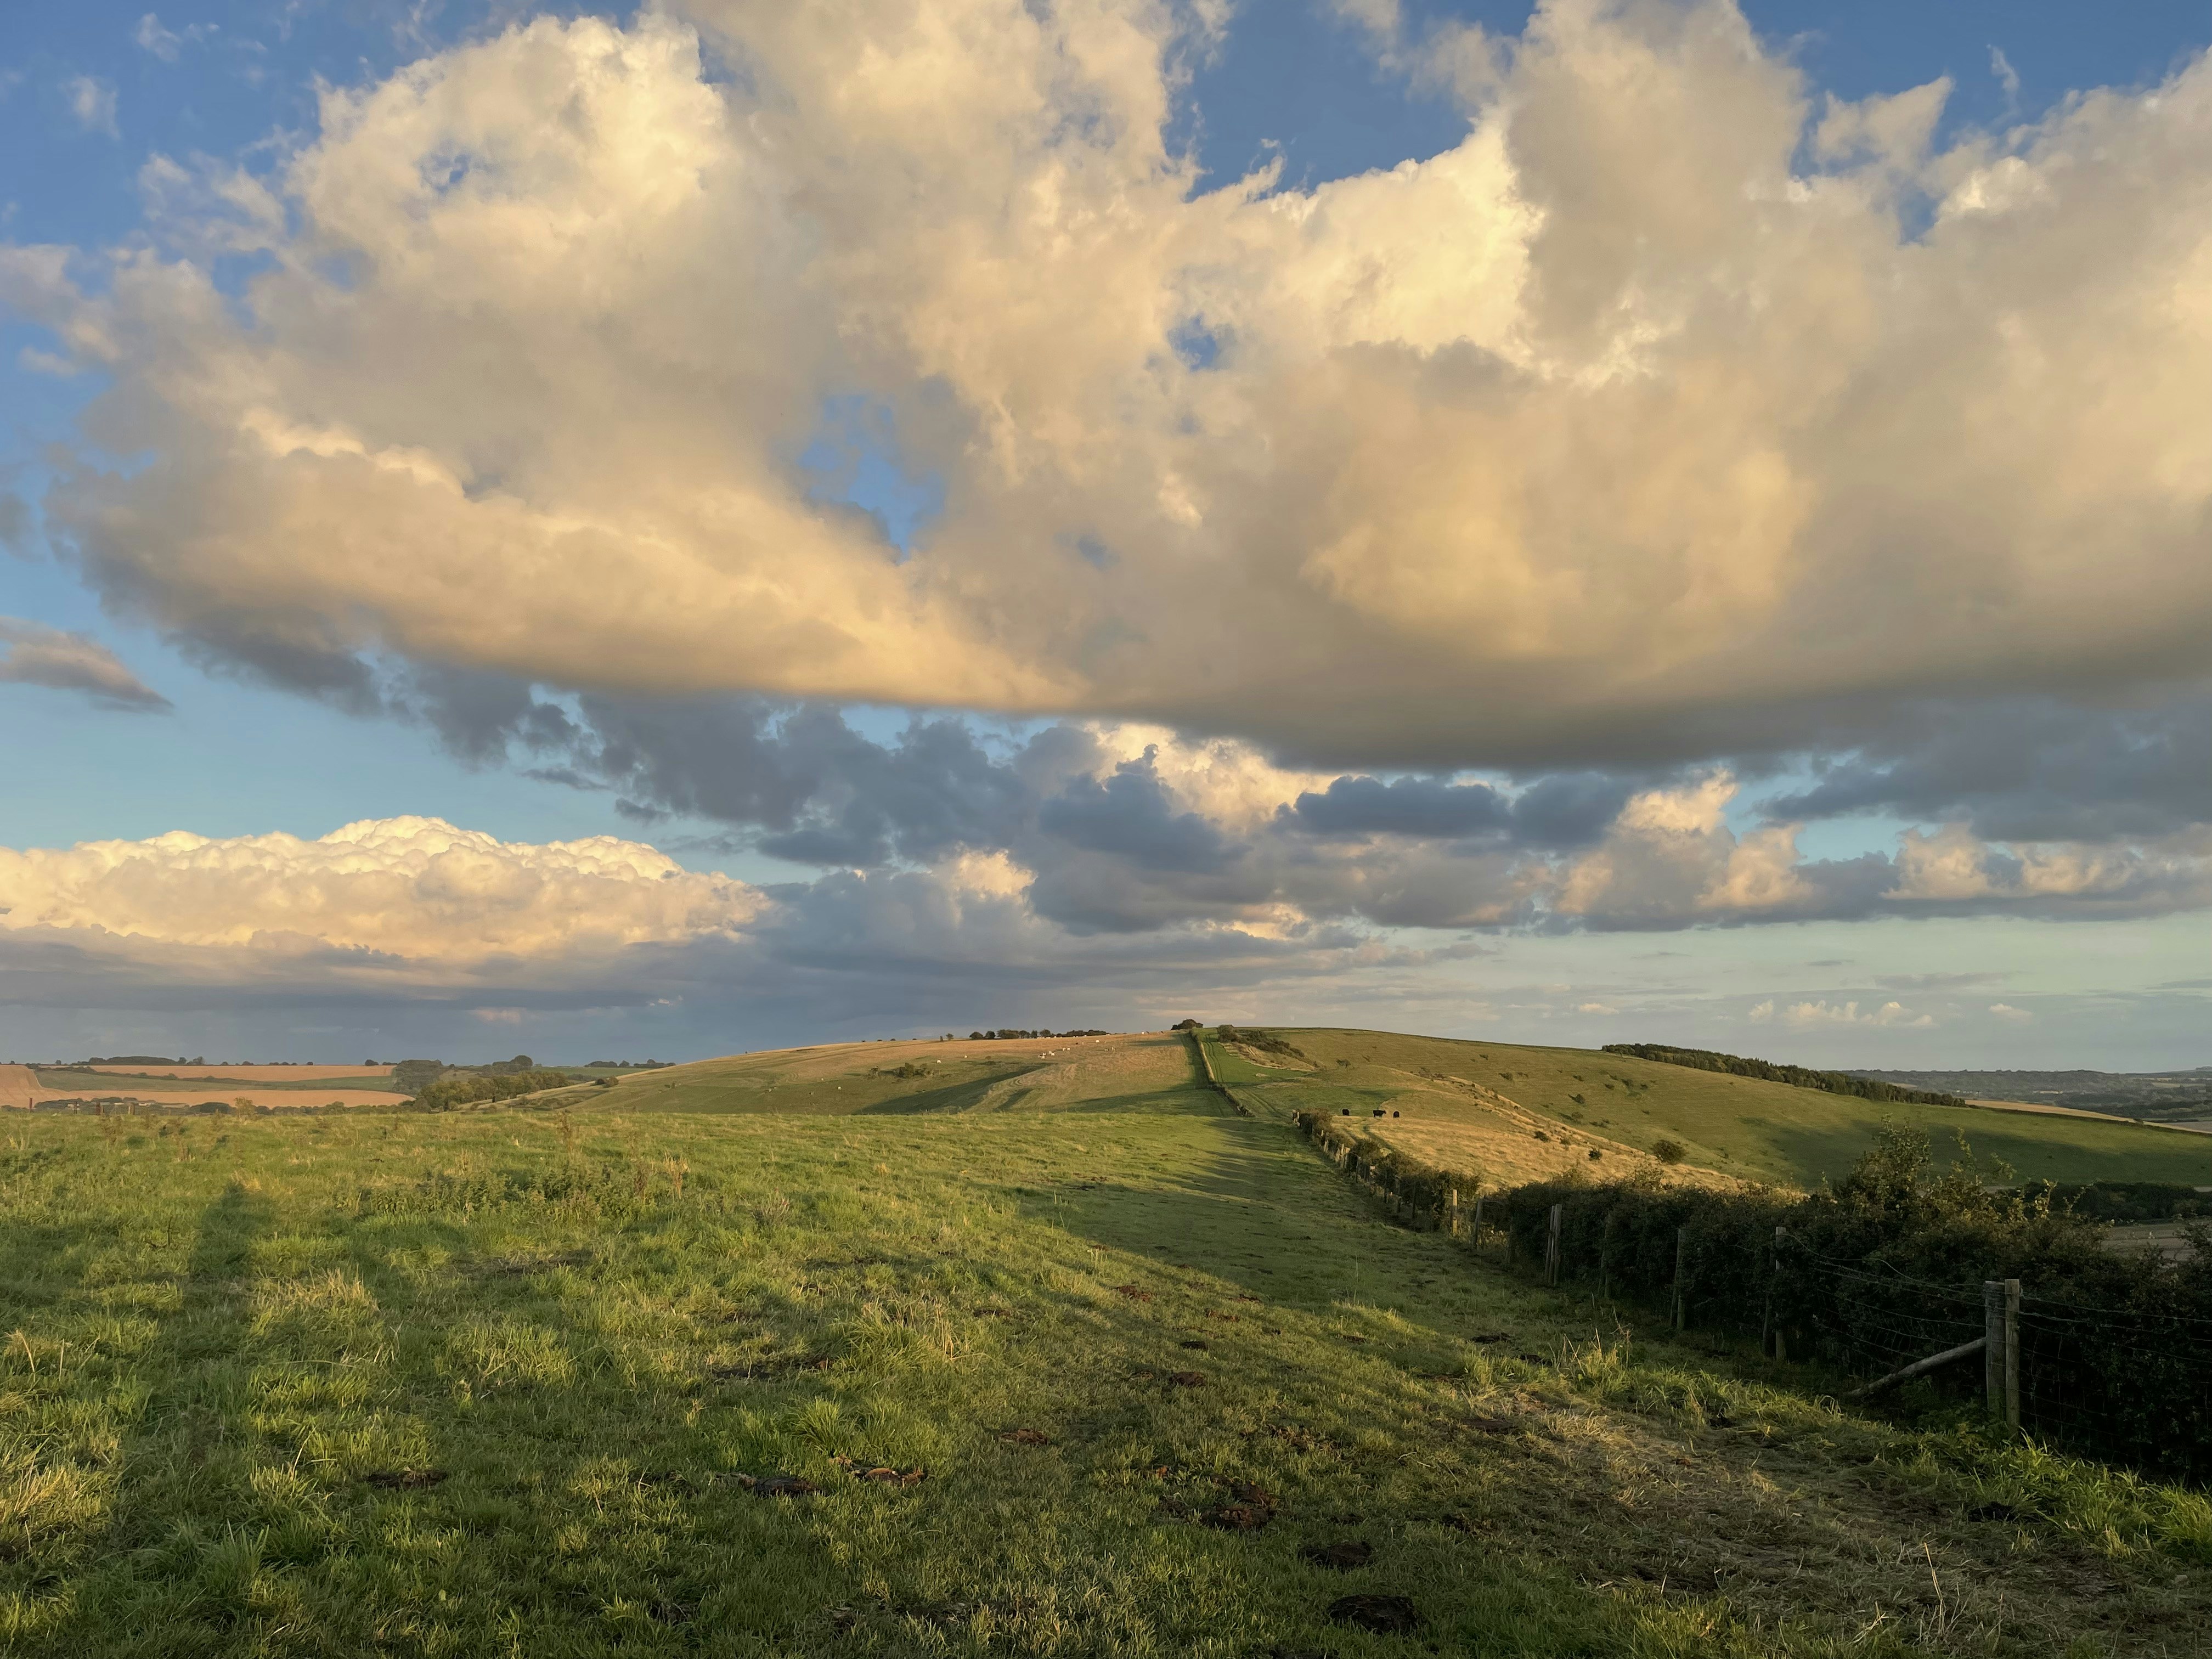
{"x":89,"y":94}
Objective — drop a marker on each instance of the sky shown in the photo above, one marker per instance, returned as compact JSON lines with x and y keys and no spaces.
{"x":701,"y":526}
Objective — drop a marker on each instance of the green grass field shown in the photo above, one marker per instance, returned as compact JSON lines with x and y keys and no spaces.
{"x":1744,"y":1126}
{"x":493,"y":1382}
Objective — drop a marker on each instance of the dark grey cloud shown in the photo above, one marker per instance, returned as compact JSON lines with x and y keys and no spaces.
{"x":2029,"y":770}
{"x":1131,"y":814}
{"x":1407,"y":806}
{"x":1564,"y":810}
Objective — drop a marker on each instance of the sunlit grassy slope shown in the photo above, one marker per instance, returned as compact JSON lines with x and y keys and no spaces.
{"x":1154,"y":1072}
{"x":1480,"y":1106}
{"x":494,"y":1383}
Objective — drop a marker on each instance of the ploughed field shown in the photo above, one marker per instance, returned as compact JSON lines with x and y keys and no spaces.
{"x":1040,"y":1347}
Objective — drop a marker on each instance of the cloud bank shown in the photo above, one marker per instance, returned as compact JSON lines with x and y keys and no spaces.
{"x":413,"y":895}
{"x":1675,"y":409}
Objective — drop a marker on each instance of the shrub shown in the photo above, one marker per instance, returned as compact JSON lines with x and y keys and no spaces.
{"x":1266,"y":1042}
{"x":1667,"y":1149}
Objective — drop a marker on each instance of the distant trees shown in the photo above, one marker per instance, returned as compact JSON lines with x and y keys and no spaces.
{"x":1186,"y":1025}
{"x":480,"y":1088}
{"x":410,"y":1076}
{"x":1008,"y":1034}
{"x":1834,"y":1083}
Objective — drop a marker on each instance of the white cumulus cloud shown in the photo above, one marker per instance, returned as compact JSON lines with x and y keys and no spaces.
{"x":416,"y":892}
{"x":1632,"y":420}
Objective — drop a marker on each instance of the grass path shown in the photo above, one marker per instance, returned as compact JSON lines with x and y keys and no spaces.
{"x":486,"y":1384}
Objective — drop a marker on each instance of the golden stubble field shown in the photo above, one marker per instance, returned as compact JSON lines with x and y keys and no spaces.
{"x":247,"y":1073}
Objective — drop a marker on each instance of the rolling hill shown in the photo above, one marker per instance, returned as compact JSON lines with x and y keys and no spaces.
{"x":1039,"y":1346}
{"x":1481,"y":1106}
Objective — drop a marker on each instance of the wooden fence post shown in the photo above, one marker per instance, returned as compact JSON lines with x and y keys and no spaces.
{"x":2012,"y":1352}
{"x":1451,"y":1212}
{"x":1770,"y":1334}
{"x":1552,"y":1247}
{"x":1993,"y":1345}
{"x":1474,"y":1236}
{"x":1681,"y":1290}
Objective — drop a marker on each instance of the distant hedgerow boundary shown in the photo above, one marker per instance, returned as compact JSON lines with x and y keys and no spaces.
{"x":1834,"y":1083}
{"x":477,"y":1090}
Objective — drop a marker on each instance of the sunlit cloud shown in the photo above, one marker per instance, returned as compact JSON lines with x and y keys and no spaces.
{"x":1631,"y":424}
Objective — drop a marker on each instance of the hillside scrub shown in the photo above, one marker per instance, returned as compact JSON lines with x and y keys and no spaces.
{"x":1834,"y":1083}
{"x":1266,"y":1042}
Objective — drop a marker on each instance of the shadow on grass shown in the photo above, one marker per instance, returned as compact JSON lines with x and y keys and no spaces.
{"x":1262,"y":1213}
{"x":176,"y":1465}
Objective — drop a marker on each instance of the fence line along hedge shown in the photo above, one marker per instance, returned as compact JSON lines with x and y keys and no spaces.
{"x":1419,"y":1191}
{"x":1888,"y":1265}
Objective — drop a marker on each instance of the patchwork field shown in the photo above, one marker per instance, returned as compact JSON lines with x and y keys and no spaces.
{"x":340,"y":1088}
{"x":790,"y":1355}
{"x":305,"y":1075}
{"x":1480,"y":1106}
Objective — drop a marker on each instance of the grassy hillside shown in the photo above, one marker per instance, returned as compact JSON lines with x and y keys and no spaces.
{"x":1151,"y":1072}
{"x":1482,"y":1104}
{"x":1122,"y":1362}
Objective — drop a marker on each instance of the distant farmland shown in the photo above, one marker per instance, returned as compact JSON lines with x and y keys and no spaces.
{"x":268,"y":1074}
{"x":274,"y":1086}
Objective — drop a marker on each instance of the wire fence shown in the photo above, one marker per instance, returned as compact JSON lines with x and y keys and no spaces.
{"x":2127,"y":1382}
{"x":2124,"y":1383}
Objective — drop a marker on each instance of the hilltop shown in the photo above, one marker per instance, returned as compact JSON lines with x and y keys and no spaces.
{"x":1504,"y":1112}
